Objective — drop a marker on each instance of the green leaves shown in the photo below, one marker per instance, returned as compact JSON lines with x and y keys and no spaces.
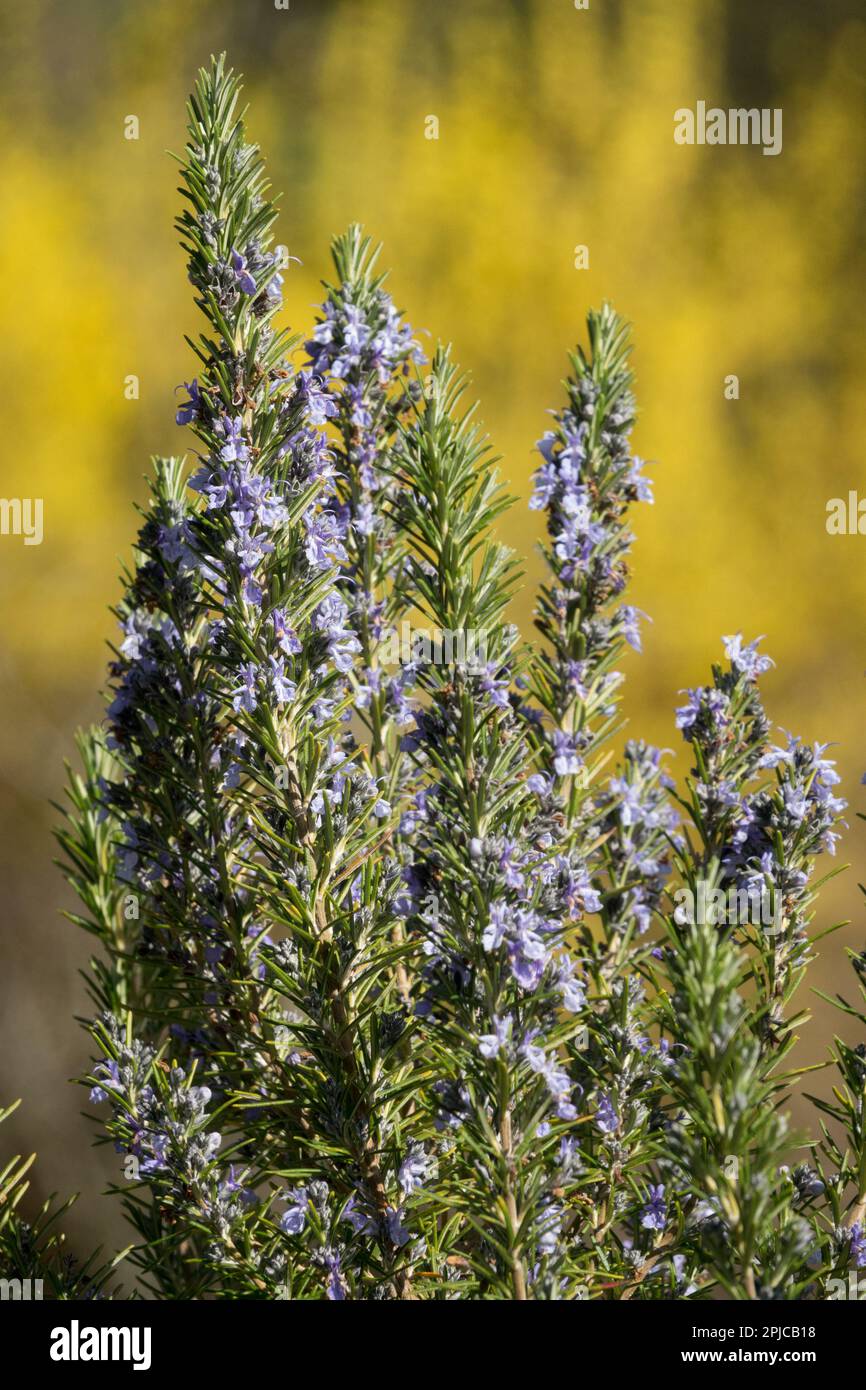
{"x":35,"y":1250}
{"x":730,"y":1140}
{"x":450,"y":499}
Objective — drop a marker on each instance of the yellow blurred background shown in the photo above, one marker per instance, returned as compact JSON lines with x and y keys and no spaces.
{"x":555,"y":131}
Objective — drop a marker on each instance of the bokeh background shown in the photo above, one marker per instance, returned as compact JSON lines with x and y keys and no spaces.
{"x":556,"y":130}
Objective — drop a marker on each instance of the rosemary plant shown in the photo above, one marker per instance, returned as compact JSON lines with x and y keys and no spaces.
{"x":404,"y":985}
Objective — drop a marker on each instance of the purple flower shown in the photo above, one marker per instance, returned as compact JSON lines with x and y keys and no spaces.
{"x":540,"y":784}
{"x":286,"y":637}
{"x":331,"y":619}
{"x":335,"y":1287}
{"x":360,"y":1221}
{"x":605,"y":1116}
{"x":556,"y":1078}
{"x":509,"y":866}
{"x":397,"y":1232}
{"x":654,"y":1214}
{"x":232,"y":1185}
{"x":706,"y":703}
{"x":416,"y":815}
{"x":566,"y":758}
{"x":857,"y":1237}
{"x":491,"y":1044}
{"x":580,"y":893}
{"x":156,"y":1161}
{"x":795,"y":802}
{"x":311,"y":392}
{"x":274,"y":287}
{"x":109,"y":1077}
{"x":283,"y":689}
{"x":244,"y":280}
{"x":572,"y":990}
{"x":235,"y":449}
{"x":550,"y":1229}
{"x":174,"y":545}
{"x":629,"y":620}
{"x":496,"y":689}
{"x":527,"y":951}
{"x":365,"y":519}
{"x":189,"y":410}
{"x":642,"y":486}
{"x":745,"y":659}
{"x":245,"y":697}
{"x":294,"y":1220}
{"x":413,"y":1170}
{"x":324,"y":545}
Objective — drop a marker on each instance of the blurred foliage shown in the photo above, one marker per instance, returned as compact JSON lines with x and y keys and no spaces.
{"x":556,"y":129}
